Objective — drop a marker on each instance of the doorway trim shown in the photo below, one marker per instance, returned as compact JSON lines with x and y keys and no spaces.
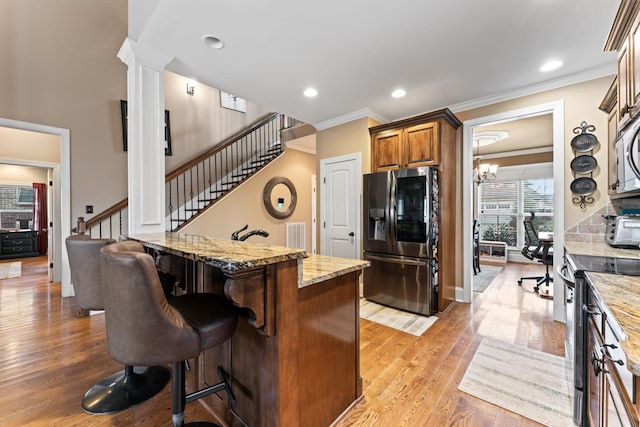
{"x":62,"y":201}
{"x":556,"y":108}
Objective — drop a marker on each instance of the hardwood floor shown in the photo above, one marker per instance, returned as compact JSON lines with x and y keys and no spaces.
{"x":49,"y":358}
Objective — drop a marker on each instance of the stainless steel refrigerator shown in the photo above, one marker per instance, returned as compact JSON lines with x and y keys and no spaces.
{"x":401,"y":218}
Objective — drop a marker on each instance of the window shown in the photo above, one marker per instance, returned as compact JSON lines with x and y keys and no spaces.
{"x":16,"y":203}
{"x":504,"y":205}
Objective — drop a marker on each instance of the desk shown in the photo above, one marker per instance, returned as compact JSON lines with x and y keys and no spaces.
{"x":295,"y":357}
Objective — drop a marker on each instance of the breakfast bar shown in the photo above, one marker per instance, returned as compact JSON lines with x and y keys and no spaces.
{"x":294,"y":359}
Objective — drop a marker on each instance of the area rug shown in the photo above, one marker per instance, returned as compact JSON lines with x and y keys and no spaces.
{"x":410,"y":323}
{"x":533,"y":384}
{"x":484,"y":278}
{"x":9,"y":270}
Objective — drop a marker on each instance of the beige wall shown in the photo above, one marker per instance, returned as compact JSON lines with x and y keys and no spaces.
{"x":581,"y":103}
{"x":348,"y":138}
{"x":41,"y":147}
{"x":59,"y":68}
{"x":25,"y":175}
{"x":244,"y":205}
{"x":198,"y":121}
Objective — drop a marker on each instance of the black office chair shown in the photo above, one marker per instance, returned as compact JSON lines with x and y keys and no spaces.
{"x":538,"y":250}
{"x":476,"y":246}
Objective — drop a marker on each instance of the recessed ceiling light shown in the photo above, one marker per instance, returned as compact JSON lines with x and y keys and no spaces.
{"x":399,"y":93}
{"x":213,"y":42}
{"x":310,"y":92}
{"x":551,"y":65}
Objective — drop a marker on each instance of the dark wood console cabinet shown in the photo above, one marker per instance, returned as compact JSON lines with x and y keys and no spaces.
{"x":18,"y":244}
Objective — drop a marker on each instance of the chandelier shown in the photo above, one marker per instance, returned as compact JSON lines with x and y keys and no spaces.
{"x":485,"y":172}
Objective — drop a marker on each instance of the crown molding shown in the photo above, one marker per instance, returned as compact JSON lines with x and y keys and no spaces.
{"x":604,"y":71}
{"x":349,"y":117}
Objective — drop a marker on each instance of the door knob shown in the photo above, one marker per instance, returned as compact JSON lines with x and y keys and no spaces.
{"x":352,"y":234}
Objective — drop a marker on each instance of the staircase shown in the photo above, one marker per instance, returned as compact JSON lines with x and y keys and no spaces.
{"x":200,"y":183}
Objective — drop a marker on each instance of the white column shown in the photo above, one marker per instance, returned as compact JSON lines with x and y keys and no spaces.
{"x":145,"y":136}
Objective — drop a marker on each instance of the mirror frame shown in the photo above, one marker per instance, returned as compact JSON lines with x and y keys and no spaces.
{"x":266,"y":197}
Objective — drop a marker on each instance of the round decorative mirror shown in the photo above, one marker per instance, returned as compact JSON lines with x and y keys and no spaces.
{"x":279,"y":197}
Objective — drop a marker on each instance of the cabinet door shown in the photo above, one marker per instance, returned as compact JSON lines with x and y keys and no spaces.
{"x":634,"y":63}
{"x":421,"y":145}
{"x":612,"y":128}
{"x":386,"y":151}
{"x":624,"y":101}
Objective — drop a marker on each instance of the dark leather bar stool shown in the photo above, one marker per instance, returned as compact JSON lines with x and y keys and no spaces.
{"x":126,"y":388}
{"x":143,"y":327}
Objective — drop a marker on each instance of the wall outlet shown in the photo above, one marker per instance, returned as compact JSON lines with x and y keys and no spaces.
{"x":89,"y":209}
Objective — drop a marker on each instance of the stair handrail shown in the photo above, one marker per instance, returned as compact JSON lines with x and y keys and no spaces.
{"x":185,"y":167}
{"x":220,"y":146}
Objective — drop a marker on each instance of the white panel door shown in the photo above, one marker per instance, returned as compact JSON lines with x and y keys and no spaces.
{"x":340,"y":207}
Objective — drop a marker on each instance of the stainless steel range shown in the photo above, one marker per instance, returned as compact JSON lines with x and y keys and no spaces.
{"x":586,"y":358}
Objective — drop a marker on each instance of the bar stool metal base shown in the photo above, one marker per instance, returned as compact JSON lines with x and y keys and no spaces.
{"x":125,"y":389}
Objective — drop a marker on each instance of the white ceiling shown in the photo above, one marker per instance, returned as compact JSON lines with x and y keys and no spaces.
{"x":356,"y":52}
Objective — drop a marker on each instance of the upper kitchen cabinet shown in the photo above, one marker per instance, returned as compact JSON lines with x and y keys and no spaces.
{"x":624,"y":38}
{"x":430,"y":139}
{"x":412,"y":142}
{"x":610,"y":106}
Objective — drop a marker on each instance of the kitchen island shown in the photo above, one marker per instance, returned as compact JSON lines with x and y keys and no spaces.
{"x":294,"y":359}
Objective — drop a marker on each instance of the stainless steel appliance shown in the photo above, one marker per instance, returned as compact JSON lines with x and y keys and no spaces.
{"x":586,"y":330}
{"x":401,"y":218}
{"x":628,"y":159}
{"x":622,"y":231}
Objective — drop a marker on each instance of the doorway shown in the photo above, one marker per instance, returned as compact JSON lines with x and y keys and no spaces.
{"x":556,"y":109}
{"x":61,"y":217}
{"x":340,"y":202}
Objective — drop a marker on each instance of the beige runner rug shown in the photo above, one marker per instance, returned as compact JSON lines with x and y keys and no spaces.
{"x":533,"y":384}
{"x":410,"y":323}
{"x":10,"y":269}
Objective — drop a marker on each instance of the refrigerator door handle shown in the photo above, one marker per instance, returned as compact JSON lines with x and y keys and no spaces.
{"x":396,"y":260}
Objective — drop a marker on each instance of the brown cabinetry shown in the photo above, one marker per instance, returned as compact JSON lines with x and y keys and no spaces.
{"x":430,"y":139}
{"x":411,"y":147}
{"x":624,"y":38}
{"x":609,"y":381}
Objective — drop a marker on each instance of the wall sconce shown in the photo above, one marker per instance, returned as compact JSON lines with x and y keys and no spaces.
{"x":190,"y":89}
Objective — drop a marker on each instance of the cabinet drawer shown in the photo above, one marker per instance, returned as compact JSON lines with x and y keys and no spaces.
{"x":17,"y":242}
{"x":16,"y":250}
{"x":18,"y":235}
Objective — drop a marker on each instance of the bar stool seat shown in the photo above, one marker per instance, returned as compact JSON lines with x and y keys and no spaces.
{"x":165,"y":331}
{"x":125,"y":388}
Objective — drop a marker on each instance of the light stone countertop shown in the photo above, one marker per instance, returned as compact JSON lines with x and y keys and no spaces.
{"x":622,"y":297}
{"x":620,"y":294}
{"x":233,"y":255}
{"x":600,"y":249}
{"x":230,"y":255}
{"x":318,"y":268}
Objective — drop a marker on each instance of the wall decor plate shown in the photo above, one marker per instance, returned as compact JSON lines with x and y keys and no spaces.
{"x":584,"y":142}
{"x":583,"y":186}
{"x":584,"y":164}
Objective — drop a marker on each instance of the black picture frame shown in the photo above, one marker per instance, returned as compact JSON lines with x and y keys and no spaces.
{"x":167,"y":128}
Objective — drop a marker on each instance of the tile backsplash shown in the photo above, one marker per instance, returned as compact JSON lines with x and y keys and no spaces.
{"x":591,"y":229}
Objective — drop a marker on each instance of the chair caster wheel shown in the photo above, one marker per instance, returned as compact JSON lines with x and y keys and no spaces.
{"x":520,"y":282}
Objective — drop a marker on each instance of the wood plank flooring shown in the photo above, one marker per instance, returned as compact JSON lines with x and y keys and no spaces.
{"x":49,"y":358}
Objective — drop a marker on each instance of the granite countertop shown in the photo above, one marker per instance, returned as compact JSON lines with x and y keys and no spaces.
{"x":600,"y":249}
{"x":233,"y":255}
{"x":318,"y":268}
{"x":620,"y":294}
